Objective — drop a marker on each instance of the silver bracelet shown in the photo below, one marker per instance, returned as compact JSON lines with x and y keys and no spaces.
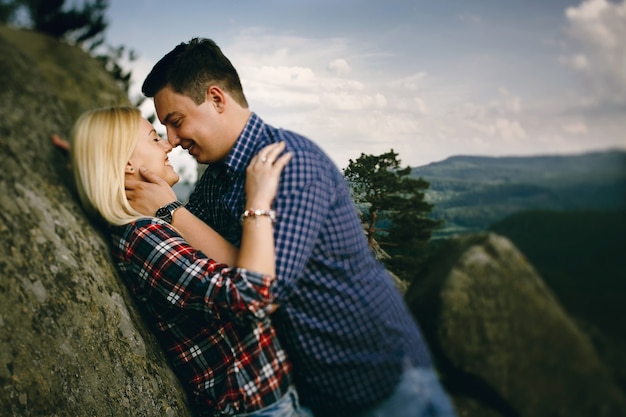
{"x":256,"y":213}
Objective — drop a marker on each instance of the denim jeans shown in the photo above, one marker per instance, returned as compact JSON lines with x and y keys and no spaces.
{"x":287,"y":406}
{"x":419,"y":394}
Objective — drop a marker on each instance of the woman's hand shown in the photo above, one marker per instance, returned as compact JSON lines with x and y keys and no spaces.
{"x":263,"y":173}
{"x":60,"y":143}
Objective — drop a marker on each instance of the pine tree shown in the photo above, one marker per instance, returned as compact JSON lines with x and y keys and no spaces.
{"x":396,"y":212}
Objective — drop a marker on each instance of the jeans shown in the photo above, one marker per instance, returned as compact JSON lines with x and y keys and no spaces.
{"x":419,"y":394}
{"x":287,"y":406}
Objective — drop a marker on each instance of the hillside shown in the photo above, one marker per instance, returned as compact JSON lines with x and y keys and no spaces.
{"x":470,"y":193}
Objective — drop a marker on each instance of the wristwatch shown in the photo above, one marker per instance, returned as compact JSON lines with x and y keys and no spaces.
{"x":166,"y":212}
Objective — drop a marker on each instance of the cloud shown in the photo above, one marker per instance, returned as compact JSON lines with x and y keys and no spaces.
{"x":576,"y":128}
{"x":597,"y":30}
{"x":412,"y":82}
{"x":339,"y":67}
{"x":509,"y":102}
{"x":578,"y":61}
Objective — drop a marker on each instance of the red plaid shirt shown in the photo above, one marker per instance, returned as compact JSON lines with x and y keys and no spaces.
{"x":211,"y":320}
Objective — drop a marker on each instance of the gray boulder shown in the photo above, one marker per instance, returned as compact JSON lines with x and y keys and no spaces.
{"x":502,"y":342}
{"x":71,"y":340}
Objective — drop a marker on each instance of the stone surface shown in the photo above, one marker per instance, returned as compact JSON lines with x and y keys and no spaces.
{"x":502,"y":342}
{"x":71,"y":340}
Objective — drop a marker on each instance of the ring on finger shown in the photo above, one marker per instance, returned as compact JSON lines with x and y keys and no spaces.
{"x":264,"y":159}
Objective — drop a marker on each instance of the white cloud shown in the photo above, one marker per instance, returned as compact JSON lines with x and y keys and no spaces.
{"x":421,"y":106}
{"x":598,"y":31}
{"x":412,"y":82}
{"x":339,"y":67}
{"x":577,"y":61}
{"x":576,"y":128}
{"x":348,"y":101}
{"x":510,"y":102}
{"x":509,"y":130}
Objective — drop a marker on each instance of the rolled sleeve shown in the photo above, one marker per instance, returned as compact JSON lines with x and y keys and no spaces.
{"x":164,"y":267}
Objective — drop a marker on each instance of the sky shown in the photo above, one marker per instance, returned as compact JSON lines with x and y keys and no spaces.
{"x":428,"y":79}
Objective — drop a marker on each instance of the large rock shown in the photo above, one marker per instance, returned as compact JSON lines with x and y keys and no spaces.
{"x":71,"y":340}
{"x":502,"y":342}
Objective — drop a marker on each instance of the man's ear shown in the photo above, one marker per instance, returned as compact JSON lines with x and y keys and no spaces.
{"x":216,"y":96}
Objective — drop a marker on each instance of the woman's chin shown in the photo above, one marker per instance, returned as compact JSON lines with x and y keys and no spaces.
{"x":173,"y":180}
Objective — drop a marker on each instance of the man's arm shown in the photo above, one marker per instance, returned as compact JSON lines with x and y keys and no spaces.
{"x":148,"y":196}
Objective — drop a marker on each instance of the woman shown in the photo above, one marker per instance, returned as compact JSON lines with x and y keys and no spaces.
{"x":211,"y":320}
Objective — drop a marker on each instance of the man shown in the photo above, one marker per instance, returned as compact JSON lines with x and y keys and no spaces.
{"x":354,"y":346}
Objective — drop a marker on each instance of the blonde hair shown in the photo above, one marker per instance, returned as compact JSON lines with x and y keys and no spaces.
{"x":103,"y":141}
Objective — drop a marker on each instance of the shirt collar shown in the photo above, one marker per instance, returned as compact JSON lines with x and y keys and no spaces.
{"x":245,"y":147}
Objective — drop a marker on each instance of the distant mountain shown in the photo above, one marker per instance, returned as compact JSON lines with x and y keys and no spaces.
{"x":472,"y":192}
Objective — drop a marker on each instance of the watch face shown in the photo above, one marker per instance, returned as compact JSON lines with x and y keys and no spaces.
{"x":165,"y":213}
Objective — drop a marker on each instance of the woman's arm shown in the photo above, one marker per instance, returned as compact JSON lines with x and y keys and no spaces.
{"x":257,"y":242}
{"x":160,"y":266}
{"x":202,"y":237}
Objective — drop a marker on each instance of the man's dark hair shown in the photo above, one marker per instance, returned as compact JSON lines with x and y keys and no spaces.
{"x":190,"y":68}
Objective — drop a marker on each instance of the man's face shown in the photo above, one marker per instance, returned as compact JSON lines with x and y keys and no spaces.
{"x":196,"y":128}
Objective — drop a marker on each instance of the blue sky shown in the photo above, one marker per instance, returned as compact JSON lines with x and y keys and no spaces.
{"x":430,"y":79}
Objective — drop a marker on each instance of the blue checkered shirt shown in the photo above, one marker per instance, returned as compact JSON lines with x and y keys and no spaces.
{"x":343,"y":323}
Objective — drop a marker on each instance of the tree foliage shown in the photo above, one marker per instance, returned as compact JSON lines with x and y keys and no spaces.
{"x":397,"y":216}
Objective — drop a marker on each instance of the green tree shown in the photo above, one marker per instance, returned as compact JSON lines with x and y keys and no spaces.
{"x":396,"y":214}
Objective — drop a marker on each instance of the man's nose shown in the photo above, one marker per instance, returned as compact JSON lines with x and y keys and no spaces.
{"x":172,"y":137}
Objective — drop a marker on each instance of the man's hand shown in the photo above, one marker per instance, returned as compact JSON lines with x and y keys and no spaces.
{"x":148,"y":196}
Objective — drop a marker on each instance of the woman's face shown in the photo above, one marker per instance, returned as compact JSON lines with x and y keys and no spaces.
{"x":151,"y":152}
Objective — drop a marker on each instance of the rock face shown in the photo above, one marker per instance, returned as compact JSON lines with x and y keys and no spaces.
{"x":71,"y":340}
{"x":502,"y":342}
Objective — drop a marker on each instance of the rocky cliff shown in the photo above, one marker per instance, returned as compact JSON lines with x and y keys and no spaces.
{"x":71,"y":341}
{"x":73,"y":344}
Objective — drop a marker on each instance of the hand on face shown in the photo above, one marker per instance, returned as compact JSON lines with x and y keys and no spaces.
{"x":149,"y":195}
{"x":263,"y":174}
